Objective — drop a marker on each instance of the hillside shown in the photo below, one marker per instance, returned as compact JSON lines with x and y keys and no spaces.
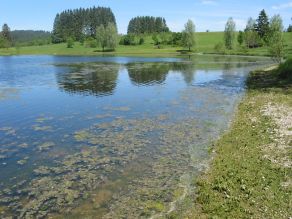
{"x":30,"y":37}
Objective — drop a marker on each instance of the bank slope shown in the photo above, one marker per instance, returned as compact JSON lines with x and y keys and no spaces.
{"x":250,"y":175}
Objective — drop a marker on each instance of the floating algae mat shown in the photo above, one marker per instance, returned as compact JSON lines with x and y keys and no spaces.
{"x":111,"y":137}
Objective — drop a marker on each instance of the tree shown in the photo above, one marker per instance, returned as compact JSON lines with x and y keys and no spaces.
{"x":276,"y":25}
{"x":240,"y":37}
{"x":188,"y":35}
{"x":147,"y":25}
{"x":289,"y":29}
{"x":6,"y":32}
{"x":80,"y":23}
{"x":6,"y":41}
{"x":57,"y":30}
{"x":251,"y":25}
{"x":275,"y":38}
{"x":251,"y":37}
{"x":229,"y":33}
{"x":111,"y":36}
{"x":262,"y":25}
{"x":156,"y":39}
{"x":101,"y":37}
{"x":107,"y":36}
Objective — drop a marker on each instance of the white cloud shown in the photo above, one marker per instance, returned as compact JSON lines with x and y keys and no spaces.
{"x":208,"y":2}
{"x":282,"y":6}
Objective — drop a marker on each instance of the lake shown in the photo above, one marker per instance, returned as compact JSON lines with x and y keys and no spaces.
{"x":111,"y":137}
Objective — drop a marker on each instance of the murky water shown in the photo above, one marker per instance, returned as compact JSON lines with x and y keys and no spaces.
{"x":110,"y":137}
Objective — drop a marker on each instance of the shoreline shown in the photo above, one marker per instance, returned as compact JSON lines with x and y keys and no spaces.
{"x":141,"y":55}
{"x":250,"y":167}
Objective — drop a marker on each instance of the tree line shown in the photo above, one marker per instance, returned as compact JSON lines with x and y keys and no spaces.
{"x":263,"y":31}
{"x":18,"y":38}
{"x":96,"y":26}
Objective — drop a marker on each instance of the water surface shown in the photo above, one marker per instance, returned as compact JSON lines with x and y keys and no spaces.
{"x":110,"y":137}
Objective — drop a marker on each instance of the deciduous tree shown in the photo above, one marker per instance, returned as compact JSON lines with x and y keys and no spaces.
{"x":107,"y":36}
{"x":188,"y":35}
{"x":229,"y":33}
{"x":101,"y":37}
{"x":240,"y":37}
{"x":111,"y":36}
{"x":251,"y":37}
{"x":275,"y":38}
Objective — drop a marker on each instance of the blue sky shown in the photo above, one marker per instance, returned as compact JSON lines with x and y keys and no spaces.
{"x":207,"y":14}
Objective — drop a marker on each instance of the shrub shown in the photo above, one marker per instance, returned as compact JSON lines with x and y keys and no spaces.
{"x":285,"y":69}
{"x":219,"y":48}
{"x":141,"y":41}
{"x":128,"y":39}
{"x":70,"y":42}
{"x":176,"y":39}
{"x":90,"y":42}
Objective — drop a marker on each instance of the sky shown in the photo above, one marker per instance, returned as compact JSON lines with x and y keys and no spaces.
{"x":207,"y":14}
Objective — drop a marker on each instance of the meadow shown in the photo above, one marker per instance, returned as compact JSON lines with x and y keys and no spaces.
{"x":205,"y":43}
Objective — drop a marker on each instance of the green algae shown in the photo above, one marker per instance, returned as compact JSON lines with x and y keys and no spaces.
{"x":121,"y":108}
{"x":8,"y":130}
{"x":167,"y":149}
{"x":43,"y":119}
{"x":103,"y":116}
{"x":82,"y":135}
{"x":42,"y":128}
{"x":46,"y":146}
{"x":23,"y":161}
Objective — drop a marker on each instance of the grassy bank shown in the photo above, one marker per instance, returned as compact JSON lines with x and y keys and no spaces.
{"x":250,"y":175}
{"x":205,"y":44}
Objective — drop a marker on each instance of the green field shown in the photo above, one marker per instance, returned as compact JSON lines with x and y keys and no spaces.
{"x":205,"y":44}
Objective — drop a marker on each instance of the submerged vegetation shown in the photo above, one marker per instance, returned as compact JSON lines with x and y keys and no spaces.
{"x":134,"y":157}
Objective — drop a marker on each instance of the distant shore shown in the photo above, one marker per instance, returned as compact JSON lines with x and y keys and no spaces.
{"x":205,"y":45}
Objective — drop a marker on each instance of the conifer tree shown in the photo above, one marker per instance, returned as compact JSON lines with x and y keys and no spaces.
{"x":262,"y":25}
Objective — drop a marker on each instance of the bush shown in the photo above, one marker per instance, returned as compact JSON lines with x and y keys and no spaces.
{"x":285,"y":69}
{"x":156,"y":39}
{"x":243,"y":49}
{"x":219,"y":48}
{"x":176,"y":39}
{"x":128,"y":40}
{"x":90,"y":42}
{"x":141,"y":41}
{"x":70,"y":42}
